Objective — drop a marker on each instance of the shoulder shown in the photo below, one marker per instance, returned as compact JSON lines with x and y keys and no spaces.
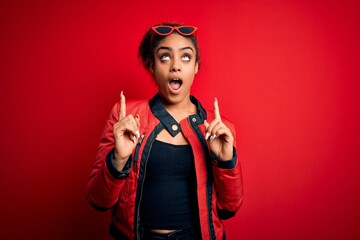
{"x":133,"y":107}
{"x":209,"y":113}
{"x":210,"y":117}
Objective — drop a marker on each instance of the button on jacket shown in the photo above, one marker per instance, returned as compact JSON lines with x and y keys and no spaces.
{"x":219,"y":183}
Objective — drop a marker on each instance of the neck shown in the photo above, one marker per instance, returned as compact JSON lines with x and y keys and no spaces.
{"x":181,"y":109}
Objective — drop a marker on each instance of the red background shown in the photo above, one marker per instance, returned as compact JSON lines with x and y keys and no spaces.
{"x":285,"y":72}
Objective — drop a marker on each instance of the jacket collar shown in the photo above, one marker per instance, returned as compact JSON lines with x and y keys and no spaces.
{"x":170,"y":124}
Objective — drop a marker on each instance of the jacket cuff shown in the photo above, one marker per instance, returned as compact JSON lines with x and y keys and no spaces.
{"x":113,"y":170}
{"x":228,"y":164}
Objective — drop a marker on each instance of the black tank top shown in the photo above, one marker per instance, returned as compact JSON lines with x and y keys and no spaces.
{"x":169,"y":198}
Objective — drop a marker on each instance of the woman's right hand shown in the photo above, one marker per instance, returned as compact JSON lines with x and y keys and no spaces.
{"x":126,"y":133}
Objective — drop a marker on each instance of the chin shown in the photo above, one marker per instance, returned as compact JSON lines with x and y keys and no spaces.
{"x":172,"y":98}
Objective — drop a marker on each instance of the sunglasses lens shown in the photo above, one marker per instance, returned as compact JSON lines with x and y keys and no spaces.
{"x":187,"y":30}
{"x":163,"y":30}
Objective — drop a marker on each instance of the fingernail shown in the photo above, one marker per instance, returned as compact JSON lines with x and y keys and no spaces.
{"x":134,"y":139}
{"x":212,"y":137}
{"x":207,"y":135}
{"x":137,"y":133}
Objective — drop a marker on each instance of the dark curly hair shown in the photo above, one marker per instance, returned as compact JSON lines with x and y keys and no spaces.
{"x":150,"y":41}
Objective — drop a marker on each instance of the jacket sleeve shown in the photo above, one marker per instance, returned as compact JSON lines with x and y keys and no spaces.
{"x":228,"y":182}
{"x":105,"y":182}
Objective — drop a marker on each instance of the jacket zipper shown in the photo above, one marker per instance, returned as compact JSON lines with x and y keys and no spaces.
{"x":141,"y":191}
{"x":136,"y":155}
{"x":208,"y":201}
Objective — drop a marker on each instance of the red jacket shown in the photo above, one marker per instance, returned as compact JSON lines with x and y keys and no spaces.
{"x":219,"y":183}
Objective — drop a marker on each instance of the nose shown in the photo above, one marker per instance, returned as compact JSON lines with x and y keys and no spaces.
{"x":176,"y":66}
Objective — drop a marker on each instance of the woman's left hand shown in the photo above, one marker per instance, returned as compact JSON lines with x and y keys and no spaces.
{"x":219,"y":135}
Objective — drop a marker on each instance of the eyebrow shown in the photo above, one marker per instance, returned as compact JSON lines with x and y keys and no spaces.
{"x":170,"y":49}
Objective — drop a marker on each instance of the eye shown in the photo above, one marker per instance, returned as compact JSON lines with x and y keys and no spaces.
{"x":165,"y":57}
{"x":185,"y":58}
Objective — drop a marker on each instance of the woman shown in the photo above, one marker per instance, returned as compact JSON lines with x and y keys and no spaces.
{"x":167,"y":168}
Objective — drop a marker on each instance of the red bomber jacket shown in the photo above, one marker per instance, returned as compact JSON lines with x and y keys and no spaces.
{"x":219,"y":183}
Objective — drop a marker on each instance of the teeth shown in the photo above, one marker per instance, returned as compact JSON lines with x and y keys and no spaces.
{"x":175,"y":84}
{"x":176,"y":79}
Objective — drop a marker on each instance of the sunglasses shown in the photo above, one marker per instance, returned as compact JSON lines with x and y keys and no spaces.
{"x":167,"y":30}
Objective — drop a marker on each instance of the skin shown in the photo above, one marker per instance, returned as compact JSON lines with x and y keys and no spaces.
{"x":174,"y":58}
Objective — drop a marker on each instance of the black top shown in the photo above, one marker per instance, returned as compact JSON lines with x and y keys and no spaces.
{"x":169,"y":199}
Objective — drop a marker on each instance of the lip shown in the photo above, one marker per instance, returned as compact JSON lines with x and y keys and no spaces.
{"x":171,"y":88}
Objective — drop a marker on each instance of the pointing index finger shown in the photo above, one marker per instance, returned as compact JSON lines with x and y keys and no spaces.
{"x":216,"y":110}
{"x":122,"y":110}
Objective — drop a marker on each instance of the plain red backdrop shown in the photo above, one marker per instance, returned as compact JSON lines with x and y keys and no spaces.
{"x":285,"y":72}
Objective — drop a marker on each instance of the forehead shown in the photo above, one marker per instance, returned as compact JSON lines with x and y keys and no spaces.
{"x":176,"y":41}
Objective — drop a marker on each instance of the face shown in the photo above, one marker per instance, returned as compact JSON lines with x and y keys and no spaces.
{"x":174,"y":68}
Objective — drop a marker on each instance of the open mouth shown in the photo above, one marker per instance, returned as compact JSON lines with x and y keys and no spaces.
{"x":175,"y":84}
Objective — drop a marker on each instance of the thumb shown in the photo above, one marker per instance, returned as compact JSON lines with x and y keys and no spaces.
{"x":207,"y":134}
{"x":137,"y":120}
{"x":206,"y":123}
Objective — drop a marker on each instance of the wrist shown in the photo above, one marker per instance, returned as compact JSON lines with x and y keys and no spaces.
{"x":116,"y":168}
{"x":228,"y":163}
{"x":227,"y":154}
{"x":226,"y":157}
{"x":118,"y":162}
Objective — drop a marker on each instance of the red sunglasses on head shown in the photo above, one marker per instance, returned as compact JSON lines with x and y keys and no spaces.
{"x":163,"y":30}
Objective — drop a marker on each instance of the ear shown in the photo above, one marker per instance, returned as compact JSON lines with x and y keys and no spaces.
{"x":152,"y":68}
{"x":196,"y":67}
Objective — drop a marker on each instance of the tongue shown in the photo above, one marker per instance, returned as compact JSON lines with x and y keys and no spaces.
{"x":175,"y":85}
